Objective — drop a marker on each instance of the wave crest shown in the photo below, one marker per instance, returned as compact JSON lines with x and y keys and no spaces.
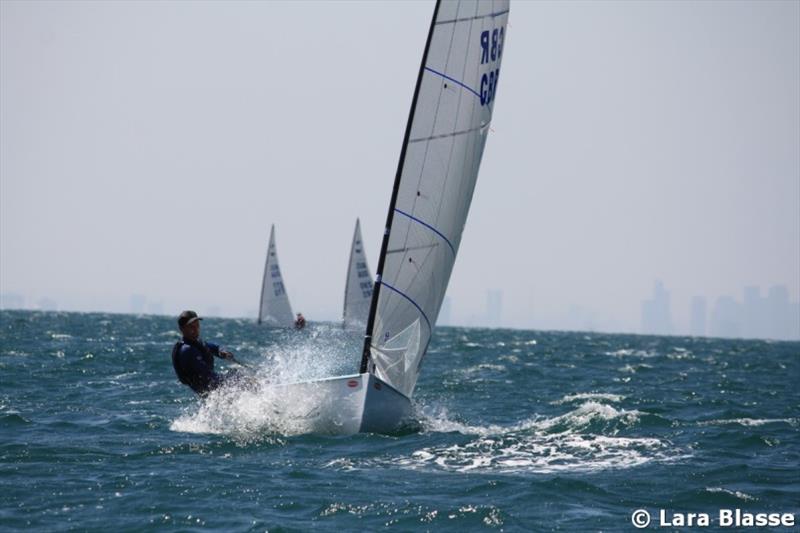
{"x":577,"y":441}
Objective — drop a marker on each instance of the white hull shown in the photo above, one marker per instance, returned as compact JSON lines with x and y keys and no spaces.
{"x":345,"y":405}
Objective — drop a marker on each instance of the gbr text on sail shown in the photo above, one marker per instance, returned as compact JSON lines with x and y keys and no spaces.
{"x":491,"y":51}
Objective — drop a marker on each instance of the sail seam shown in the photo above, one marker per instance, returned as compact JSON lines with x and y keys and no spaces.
{"x":445,"y":76}
{"x":430,"y":328}
{"x":437,"y":232}
{"x":409,"y":248}
{"x":476,"y":17}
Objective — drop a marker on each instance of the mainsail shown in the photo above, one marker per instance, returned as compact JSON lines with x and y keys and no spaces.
{"x":358,"y":289}
{"x":444,"y":140}
{"x":274,"y":309}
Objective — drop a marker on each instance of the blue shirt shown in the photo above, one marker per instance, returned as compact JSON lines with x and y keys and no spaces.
{"x":194,"y":364}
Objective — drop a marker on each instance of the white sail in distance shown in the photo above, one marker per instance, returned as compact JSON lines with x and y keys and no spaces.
{"x":274,"y":308}
{"x":358,"y":287}
{"x":441,"y":154}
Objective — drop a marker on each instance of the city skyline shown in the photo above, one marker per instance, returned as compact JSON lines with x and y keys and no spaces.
{"x":775,"y":315}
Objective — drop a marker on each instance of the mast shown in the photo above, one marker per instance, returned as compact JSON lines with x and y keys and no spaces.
{"x":390,"y":216}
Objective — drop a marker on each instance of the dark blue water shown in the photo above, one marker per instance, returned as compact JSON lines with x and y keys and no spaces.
{"x":519,"y":430}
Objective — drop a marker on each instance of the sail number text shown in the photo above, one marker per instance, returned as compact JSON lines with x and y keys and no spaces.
{"x":491,"y":51}
{"x":365,"y":286}
{"x":277,"y":284}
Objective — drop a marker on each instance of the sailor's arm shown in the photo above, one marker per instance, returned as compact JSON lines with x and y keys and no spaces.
{"x":215,"y":349}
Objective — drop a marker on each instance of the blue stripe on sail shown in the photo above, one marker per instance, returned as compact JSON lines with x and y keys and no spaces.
{"x":437,"y":232}
{"x":412,"y":302}
{"x":445,"y":76}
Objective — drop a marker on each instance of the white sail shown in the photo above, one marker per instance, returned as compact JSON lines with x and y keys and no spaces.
{"x":439,"y":161}
{"x":274,"y":309}
{"x":358,"y":288}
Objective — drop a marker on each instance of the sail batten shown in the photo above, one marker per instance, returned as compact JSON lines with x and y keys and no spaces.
{"x":439,"y":161}
{"x":454,"y":134}
{"x":491,"y":15}
{"x":462,"y":84}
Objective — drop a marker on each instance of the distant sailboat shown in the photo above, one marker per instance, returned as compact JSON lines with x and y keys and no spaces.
{"x":274,"y":308}
{"x":358,"y":288}
{"x":442,"y":148}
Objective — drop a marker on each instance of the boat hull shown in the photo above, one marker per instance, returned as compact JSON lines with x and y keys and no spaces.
{"x":345,"y":405}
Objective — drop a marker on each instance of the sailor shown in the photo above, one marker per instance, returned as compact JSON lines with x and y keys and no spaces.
{"x":193,"y":358}
{"x":300,"y":321}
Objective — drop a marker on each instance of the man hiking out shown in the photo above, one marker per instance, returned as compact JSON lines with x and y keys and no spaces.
{"x":193,"y":358}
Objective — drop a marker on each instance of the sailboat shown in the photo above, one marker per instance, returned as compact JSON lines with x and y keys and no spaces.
{"x":274,"y":308}
{"x":358,"y":287}
{"x":439,"y":160}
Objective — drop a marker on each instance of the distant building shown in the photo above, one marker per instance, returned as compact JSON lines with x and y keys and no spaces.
{"x":46,"y":304}
{"x":697,"y":320}
{"x":770,"y":317}
{"x":579,"y":319}
{"x":12,"y":300}
{"x":137,"y":304}
{"x":155,"y":308}
{"x":754,"y":316}
{"x":726,"y":319}
{"x":494,"y":307}
{"x":780,"y":322}
{"x":794,"y":321}
{"x":656,"y":317}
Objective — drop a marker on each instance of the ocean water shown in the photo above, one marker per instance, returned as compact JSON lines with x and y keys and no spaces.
{"x":515,"y":431}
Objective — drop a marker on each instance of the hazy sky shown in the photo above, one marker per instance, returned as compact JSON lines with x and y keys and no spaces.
{"x":147,"y":147}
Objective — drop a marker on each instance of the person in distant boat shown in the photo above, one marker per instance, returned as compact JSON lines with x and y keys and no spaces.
{"x":193,"y":358}
{"x":300,"y":321}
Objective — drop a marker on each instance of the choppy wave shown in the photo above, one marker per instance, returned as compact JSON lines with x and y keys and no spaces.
{"x":569,"y":398}
{"x":11,"y":418}
{"x":541,"y":453}
{"x":735,"y":493}
{"x":751,"y":422}
{"x":412,"y":516}
{"x":630,"y":352}
{"x":534,"y":445}
{"x":633,"y":369}
{"x":481,"y":369}
{"x":590,"y":413}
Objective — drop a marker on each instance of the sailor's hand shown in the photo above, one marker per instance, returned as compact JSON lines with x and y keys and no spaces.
{"x":226,"y":355}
